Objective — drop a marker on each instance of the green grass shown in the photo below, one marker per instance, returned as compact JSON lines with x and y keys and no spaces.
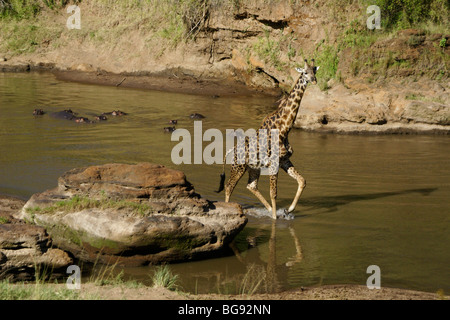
{"x":26,"y":36}
{"x":421,"y":97}
{"x":78,"y":203}
{"x":328,"y":60}
{"x":268,"y":49}
{"x":26,"y":9}
{"x":23,"y":291}
{"x":4,"y":220}
{"x":164,"y":278}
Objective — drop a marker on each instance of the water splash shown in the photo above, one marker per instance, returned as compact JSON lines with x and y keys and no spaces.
{"x":263,"y":212}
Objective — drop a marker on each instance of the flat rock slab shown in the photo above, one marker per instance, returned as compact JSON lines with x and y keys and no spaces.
{"x":133,"y":215}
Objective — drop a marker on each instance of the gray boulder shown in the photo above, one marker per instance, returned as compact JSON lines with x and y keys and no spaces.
{"x":133,"y":215}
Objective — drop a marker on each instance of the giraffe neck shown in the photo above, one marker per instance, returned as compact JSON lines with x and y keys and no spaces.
{"x":289,"y":108}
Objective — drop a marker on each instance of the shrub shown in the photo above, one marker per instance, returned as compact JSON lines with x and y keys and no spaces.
{"x":407,"y":13}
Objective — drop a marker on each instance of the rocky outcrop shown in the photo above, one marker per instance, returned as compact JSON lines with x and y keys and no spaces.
{"x":370,"y":110}
{"x":26,"y":250}
{"x":133,"y":215}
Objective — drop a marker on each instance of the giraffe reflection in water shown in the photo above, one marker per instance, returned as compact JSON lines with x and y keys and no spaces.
{"x":264,"y":276}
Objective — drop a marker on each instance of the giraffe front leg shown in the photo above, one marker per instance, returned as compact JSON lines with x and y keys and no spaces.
{"x":289,"y":168}
{"x":273,"y":194}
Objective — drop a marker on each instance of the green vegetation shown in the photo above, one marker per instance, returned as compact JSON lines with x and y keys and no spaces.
{"x":36,"y":291}
{"x":4,"y":220}
{"x":421,"y":97}
{"x":164,"y":25}
{"x":26,"y":9}
{"x":426,"y":16}
{"x":107,"y":275}
{"x":269,"y":50}
{"x":78,"y":203}
{"x":403,"y":14}
{"x":328,"y":60}
{"x":164,"y":278}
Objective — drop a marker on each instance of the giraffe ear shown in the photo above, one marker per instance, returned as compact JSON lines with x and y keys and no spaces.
{"x":300,"y":70}
{"x":316,"y":69}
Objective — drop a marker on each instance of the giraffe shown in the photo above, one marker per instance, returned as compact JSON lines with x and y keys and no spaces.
{"x":282,"y":120}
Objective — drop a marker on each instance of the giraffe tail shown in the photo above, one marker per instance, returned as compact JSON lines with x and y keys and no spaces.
{"x":222,"y":182}
{"x":222,"y":175}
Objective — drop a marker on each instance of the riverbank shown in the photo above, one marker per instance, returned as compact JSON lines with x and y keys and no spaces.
{"x":393,"y":80}
{"x":169,"y":81}
{"x":336,"y":111}
{"x":91,"y":291}
{"x":106,"y":285}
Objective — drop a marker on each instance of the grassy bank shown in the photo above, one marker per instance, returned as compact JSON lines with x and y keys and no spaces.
{"x":144,"y":30}
{"x":103,"y":277}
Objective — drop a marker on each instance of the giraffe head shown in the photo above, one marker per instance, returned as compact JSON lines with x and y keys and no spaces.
{"x":309,"y":72}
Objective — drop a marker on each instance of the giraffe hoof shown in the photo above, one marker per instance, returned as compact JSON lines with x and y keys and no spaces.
{"x":287,"y":215}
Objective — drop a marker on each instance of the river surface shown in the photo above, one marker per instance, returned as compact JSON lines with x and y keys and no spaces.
{"x":370,"y":200}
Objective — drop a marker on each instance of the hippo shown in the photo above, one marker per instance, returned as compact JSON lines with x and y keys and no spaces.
{"x":196,"y":116}
{"x":66,"y":114}
{"x":38,"y":112}
{"x":115,"y":113}
{"x":101,"y":118}
{"x":169,"y":129}
{"x":81,"y":119}
{"x":173,"y":121}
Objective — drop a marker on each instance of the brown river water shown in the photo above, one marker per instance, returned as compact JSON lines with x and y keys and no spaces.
{"x":370,"y":200}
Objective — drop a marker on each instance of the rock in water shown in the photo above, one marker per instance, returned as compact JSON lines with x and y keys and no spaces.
{"x":133,"y":215}
{"x":26,"y":249}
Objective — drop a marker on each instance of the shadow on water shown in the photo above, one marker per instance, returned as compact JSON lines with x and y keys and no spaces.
{"x":331,"y":203}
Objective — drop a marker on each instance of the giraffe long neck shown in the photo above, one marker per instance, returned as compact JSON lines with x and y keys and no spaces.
{"x":289,"y":108}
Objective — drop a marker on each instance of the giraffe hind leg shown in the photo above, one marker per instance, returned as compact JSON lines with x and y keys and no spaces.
{"x":253,"y":177}
{"x":273,"y":194}
{"x":237,"y":171}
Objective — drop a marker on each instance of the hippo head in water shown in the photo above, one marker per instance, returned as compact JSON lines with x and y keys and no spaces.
{"x":81,"y":119}
{"x":114,"y":113}
{"x":101,"y":118}
{"x":38,"y":112}
{"x":196,"y":116}
{"x":118,"y":113}
{"x":169,"y":129}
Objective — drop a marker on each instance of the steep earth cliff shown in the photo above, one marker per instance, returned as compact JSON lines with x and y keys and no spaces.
{"x":369,"y":81}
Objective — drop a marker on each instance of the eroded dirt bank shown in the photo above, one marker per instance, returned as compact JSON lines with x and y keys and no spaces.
{"x":369,"y":82}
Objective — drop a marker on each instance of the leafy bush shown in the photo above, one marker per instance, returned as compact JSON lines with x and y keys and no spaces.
{"x":25,"y":9}
{"x":407,"y":13}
